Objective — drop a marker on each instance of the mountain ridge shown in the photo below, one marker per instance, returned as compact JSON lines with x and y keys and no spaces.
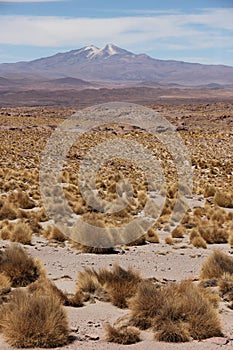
{"x":112,"y":64}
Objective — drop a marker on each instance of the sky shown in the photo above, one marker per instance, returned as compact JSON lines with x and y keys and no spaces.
{"x":185,"y":30}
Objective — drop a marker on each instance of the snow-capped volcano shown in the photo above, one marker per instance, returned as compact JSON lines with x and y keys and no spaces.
{"x":92,"y":52}
{"x":114,"y":64}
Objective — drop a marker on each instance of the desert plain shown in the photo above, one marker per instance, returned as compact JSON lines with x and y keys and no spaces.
{"x":172,"y":288}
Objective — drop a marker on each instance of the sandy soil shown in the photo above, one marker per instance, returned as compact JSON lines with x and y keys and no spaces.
{"x":152,"y":260}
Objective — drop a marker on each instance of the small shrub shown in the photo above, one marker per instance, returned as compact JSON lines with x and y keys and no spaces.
{"x":152,"y":236}
{"x":199,"y":242}
{"x":19,"y":267}
{"x":224,"y":199}
{"x":8,"y":211}
{"x":123,"y":335}
{"x":21,"y":233}
{"x":173,"y":333}
{"x":216,"y":265}
{"x":5,"y":284}
{"x":169,"y":240}
{"x":178,"y":232}
{"x":34,"y":321}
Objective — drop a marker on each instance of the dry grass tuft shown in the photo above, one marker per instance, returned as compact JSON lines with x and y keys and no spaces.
{"x":21,"y":200}
{"x":43,"y":286}
{"x":152,"y":236}
{"x":8,"y":211}
{"x":169,"y":240}
{"x":216,"y":265}
{"x":178,"y":232}
{"x":199,"y":242}
{"x":173,"y":333}
{"x":182,"y":306}
{"x":53,"y":233}
{"x":34,"y":321}
{"x":5,"y":284}
{"x":116,"y":286}
{"x":224,"y":199}
{"x":19,"y":267}
{"x":124,"y":335}
{"x":21,"y":233}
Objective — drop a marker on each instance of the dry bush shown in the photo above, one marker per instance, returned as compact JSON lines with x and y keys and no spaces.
{"x":34,"y":321}
{"x":43,"y":286}
{"x":21,"y":200}
{"x":224,"y":199}
{"x":124,"y":335}
{"x":169,"y":240}
{"x":209,"y":191}
{"x":19,"y":267}
{"x":120,"y":284}
{"x":8,"y":211}
{"x":53,"y":233}
{"x":5,"y":283}
{"x":199,"y":242}
{"x":226,"y":287}
{"x":230,"y":239}
{"x":152,"y":236}
{"x":182,"y":306}
{"x":6,"y":230}
{"x":116,"y":286}
{"x":216,"y":265}
{"x":172,"y":332}
{"x":213,"y":234}
{"x":178,"y":232}
{"x":21,"y":233}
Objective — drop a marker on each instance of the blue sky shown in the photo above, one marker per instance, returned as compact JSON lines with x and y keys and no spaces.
{"x":187,"y":30}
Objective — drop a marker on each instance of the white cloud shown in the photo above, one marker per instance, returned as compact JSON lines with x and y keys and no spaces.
{"x":209,"y":29}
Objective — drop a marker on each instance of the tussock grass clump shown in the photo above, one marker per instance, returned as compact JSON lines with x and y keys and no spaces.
{"x":182,"y":306}
{"x":216,"y":265}
{"x":53,"y":233}
{"x":152,"y":236}
{"x":169,"y":240}
{"x":19,"y":267}
{"x":116,"y":286}
{"x":124,"y":335}
{"x":21,"y":233}
{"x":8,"y":211}
{"x":224,"y":199}
{"x":173,"y":333}
{"x":5,"y":284}
{"x":213,"y":234}
{"x":178,"y":232}
{"x":21,"y":200}
{"x":34,"y":321}
{"x":226,"y":287}
{"x":199,"y":242}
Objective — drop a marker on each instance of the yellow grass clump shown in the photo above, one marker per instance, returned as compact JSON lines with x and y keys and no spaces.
{"x":216,"y":265}
{"x":176,"y":312}
{"x":19,"y":267}
{"x":34,"y":321}
{"x":21,"y":233}
{"x":124,"y":335}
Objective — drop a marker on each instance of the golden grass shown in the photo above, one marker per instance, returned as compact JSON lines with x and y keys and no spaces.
{"x":116,"y":285}
{"x":224,"y":199}
{"x":199,"y":242}
{"x":19,"y":267}
{"x":34,"y":321}
{"x":181,"y":306}
{"x":5,"y":283}
{"x":21,"y":233}
{"x":152,"y":236}
{"x":216,"y":265}
{"x":124,"y":335}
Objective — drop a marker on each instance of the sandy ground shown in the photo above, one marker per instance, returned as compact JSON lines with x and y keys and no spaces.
{"x":162,"y":261}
